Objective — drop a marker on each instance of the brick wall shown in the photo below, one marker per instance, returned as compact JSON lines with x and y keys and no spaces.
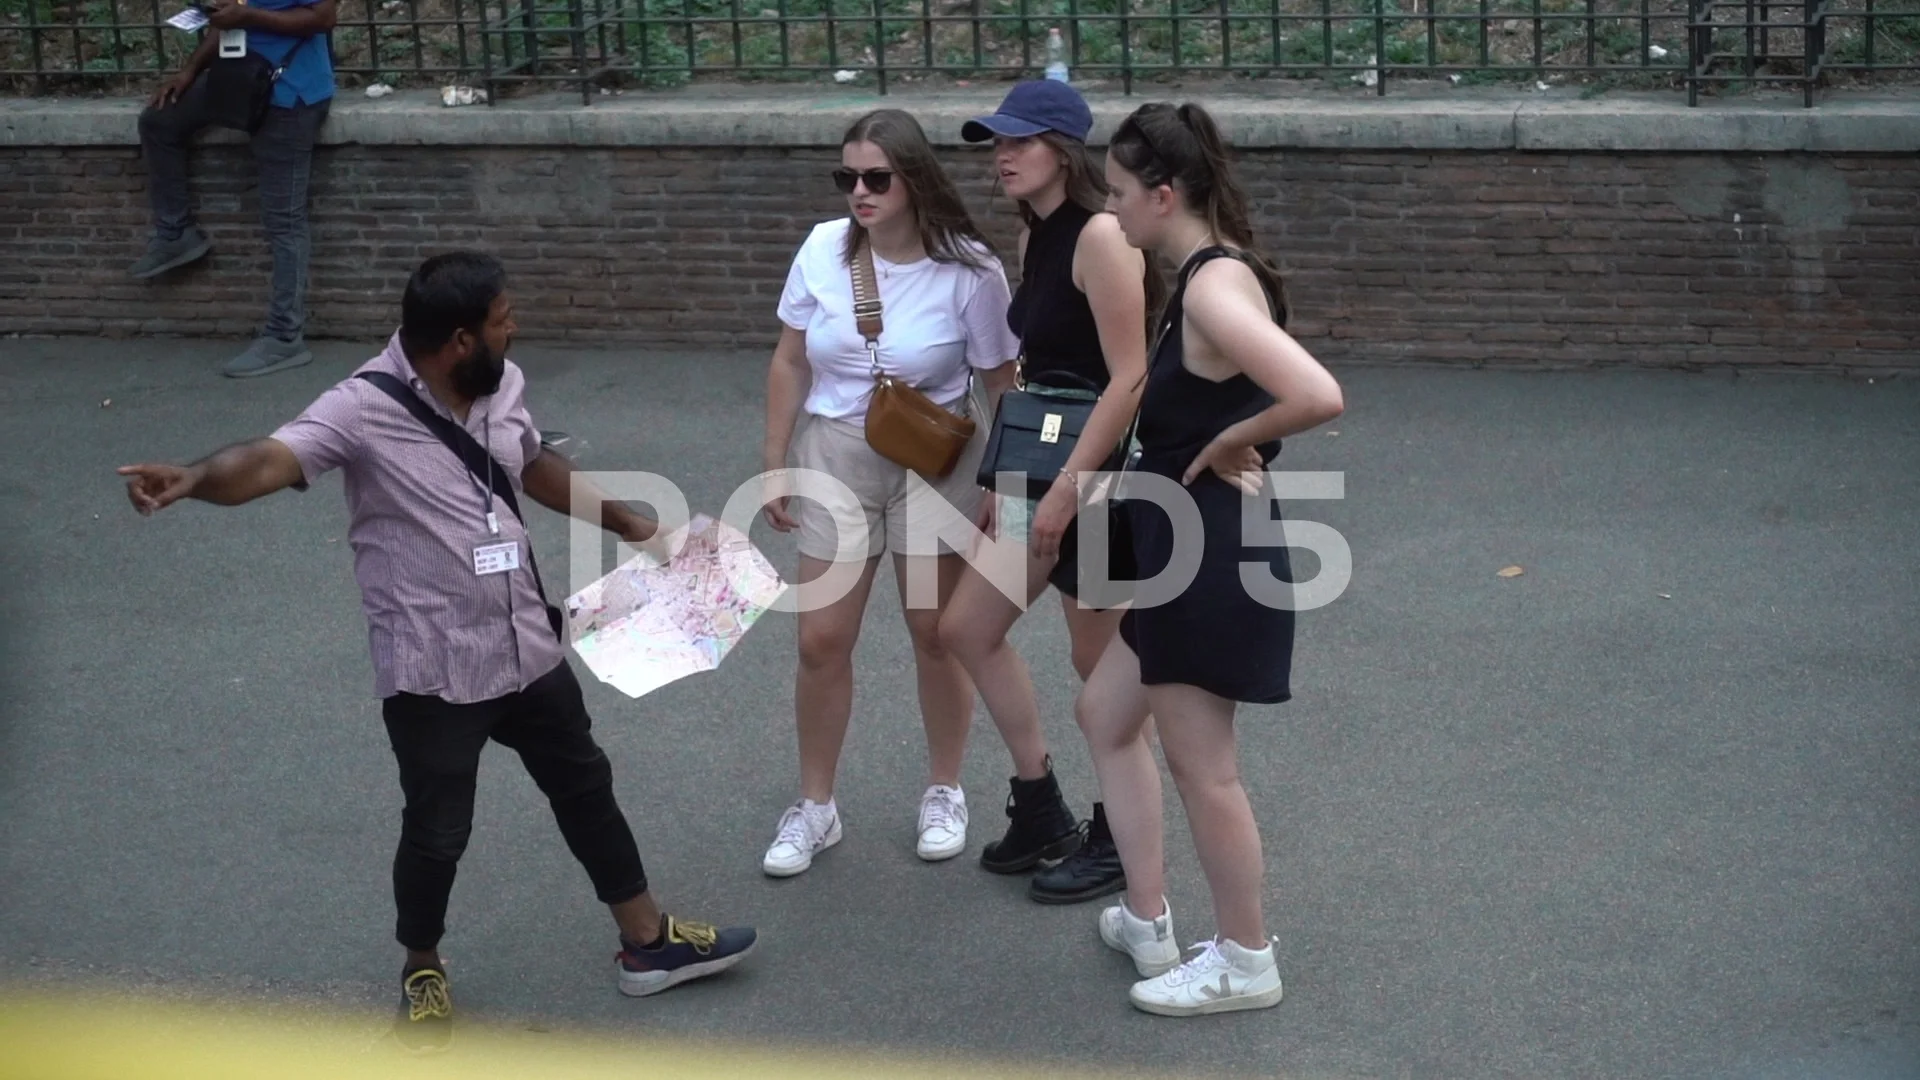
{"x":1511,"y":258}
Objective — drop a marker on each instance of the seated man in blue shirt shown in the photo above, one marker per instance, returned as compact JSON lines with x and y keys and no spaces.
{"x":291,"y":34}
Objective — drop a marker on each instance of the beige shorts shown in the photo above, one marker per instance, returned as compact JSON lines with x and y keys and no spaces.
{"x":884,"y":507}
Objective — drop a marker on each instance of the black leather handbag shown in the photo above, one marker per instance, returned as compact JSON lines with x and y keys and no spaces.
{"x":1035,"y":430}
{"x":1123,"y":562}
{"x":240,"y":88}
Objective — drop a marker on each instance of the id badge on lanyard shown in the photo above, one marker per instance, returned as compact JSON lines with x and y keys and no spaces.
{"x":493,"y":555}
{"x":496,"y":557}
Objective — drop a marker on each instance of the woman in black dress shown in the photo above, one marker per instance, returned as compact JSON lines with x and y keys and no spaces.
{"x":1224,"y":377}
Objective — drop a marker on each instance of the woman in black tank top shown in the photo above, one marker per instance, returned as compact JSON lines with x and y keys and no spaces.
{"x":1080,"y":311}
{"x":1223,"y":379}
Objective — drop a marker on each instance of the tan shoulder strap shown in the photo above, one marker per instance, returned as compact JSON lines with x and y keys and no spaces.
{"x":866,"y":301}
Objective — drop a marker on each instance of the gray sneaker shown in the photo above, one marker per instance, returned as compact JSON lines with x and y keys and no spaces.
{"x":267,"y":355}
{"x":164,"y":255}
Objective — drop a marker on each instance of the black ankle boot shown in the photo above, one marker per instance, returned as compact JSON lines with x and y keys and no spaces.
{"x":1041,"y":827}
{"x":1091,"y":872}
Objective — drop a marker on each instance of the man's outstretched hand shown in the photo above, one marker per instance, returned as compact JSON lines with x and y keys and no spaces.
{"x":152,"y":487}
{"x":228,"y":477}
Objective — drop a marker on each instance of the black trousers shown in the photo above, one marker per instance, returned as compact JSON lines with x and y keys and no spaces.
{"x":438,"y":748}
{"x":283,"y":150}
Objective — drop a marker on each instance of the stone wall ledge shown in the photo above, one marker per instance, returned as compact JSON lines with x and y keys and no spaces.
{"x":1476,"y":119}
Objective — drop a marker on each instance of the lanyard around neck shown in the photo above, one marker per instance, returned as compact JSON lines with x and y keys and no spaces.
{"x":486,"y":447}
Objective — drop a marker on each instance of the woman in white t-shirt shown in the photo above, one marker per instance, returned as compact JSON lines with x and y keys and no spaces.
{"x":944,"y":298}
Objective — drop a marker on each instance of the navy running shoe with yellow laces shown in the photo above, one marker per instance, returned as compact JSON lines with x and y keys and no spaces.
{"x":426,"y":1011}
{"x":683,"y":951}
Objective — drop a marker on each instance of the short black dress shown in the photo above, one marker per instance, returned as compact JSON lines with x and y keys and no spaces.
{"x":1215,"y":635}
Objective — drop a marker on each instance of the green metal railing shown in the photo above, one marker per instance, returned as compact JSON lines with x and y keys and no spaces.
{"x":52,"y":46}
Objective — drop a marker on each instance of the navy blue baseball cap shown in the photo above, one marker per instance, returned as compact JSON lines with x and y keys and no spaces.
{"x":1031,"y":108}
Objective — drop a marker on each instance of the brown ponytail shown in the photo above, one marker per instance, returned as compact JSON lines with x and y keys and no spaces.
{"x":1182,"y":147}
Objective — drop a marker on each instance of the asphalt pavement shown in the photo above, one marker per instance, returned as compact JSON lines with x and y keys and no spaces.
{"x":1647,"y":809}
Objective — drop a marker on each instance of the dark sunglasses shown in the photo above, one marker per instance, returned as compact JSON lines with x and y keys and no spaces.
{"x":877,"y":180}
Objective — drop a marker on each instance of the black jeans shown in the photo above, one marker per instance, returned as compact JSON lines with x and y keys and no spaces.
{"x":438,"y":747}
{"x":283,"y":152}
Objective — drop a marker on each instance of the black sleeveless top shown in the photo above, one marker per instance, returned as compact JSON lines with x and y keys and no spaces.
{"x":1051,"y":317}
{"x":1181,"y":412}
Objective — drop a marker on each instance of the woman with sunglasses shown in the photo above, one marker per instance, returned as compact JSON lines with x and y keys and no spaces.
{"x":1081,"y":313}
{"x":1224,"y":377}
{"x":944,"y":297}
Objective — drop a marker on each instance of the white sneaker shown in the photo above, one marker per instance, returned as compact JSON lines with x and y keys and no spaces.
{"x":943,"y":823}
{"x":806,"y":829}
{"x":1222,"y":977}
{"x":1148,"y":941}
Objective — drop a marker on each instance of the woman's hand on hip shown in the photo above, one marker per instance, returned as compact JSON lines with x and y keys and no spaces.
{"x":1233,"y":462}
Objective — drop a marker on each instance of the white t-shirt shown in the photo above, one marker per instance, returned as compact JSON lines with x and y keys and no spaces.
{"x":938,"y":319}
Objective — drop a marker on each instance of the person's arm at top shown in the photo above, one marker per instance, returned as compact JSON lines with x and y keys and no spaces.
{"x":303,"y":20}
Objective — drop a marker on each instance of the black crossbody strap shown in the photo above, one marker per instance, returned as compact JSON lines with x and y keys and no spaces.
{"x":465,"y":447}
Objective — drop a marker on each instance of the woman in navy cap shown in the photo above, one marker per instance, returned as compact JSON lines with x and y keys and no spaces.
{"x":1081,"y":315}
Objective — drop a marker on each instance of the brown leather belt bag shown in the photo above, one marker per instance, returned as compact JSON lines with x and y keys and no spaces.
{"x":903,"y":425}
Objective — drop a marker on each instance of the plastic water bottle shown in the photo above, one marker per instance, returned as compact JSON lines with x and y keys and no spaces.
{"x":1056,"y":56}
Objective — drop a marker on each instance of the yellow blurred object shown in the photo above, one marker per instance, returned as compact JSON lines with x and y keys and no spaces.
{"x":73,"y":1036}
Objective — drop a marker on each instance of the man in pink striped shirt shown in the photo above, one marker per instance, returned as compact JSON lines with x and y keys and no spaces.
{"x":465,"y":647}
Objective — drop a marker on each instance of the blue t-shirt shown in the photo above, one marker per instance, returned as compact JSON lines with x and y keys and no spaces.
{"x":308,"y":79}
